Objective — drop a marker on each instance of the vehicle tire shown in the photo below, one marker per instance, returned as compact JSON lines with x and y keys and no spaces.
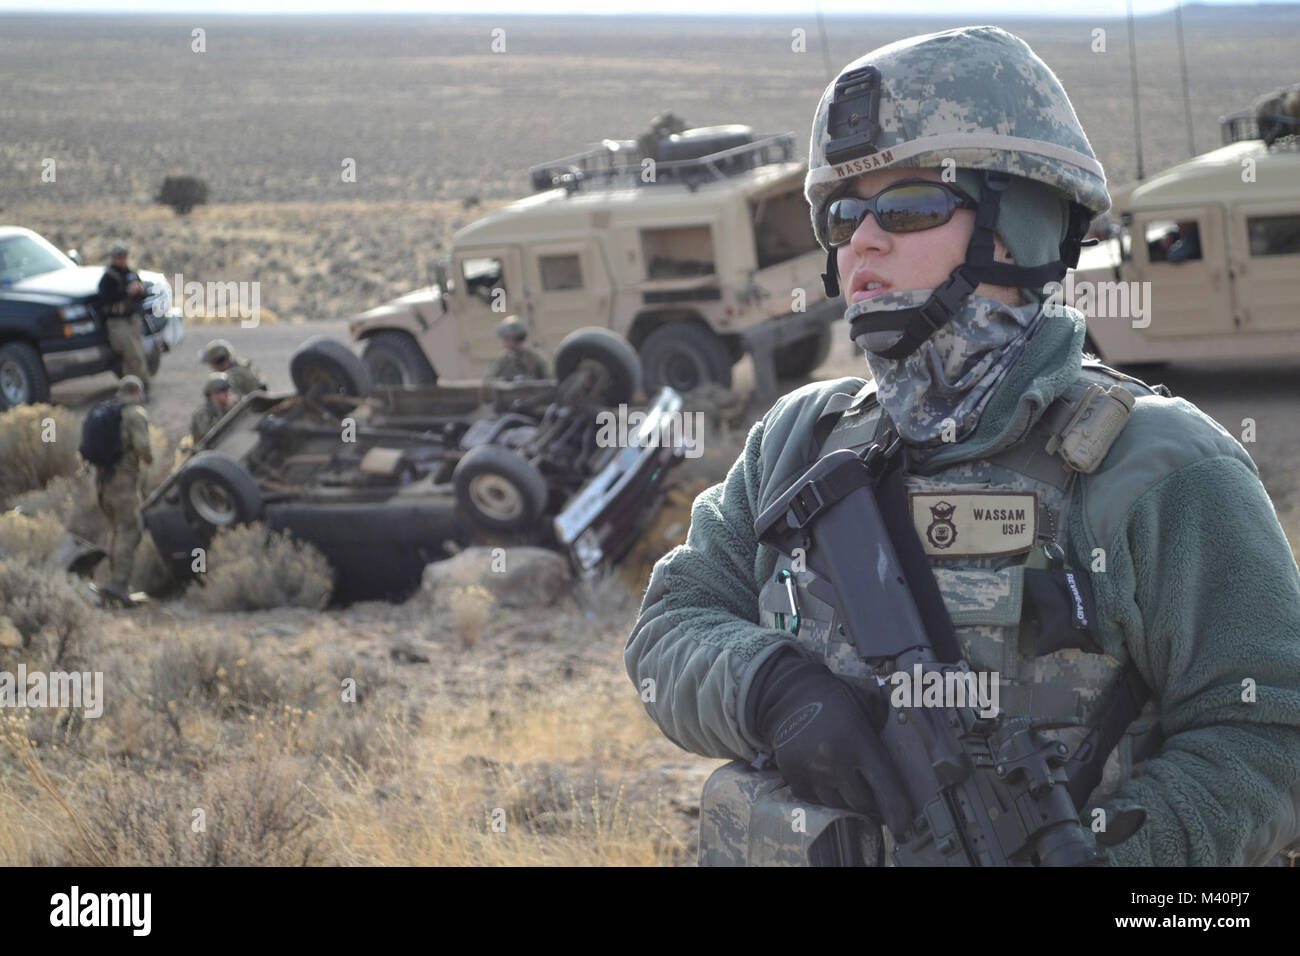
{"x":395,"y":358}
{"x":22,"y":376}
{"x":801,"y":357}
{"x":154,"y":361}
{"x":611,"y":351}
{"x":684,"y":356}
{"x":499,"y":489}
{"x":218,"y":491}
{"x":330,"y":365}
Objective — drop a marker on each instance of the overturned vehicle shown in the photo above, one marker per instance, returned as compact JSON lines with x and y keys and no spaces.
{"x":385,"y":480}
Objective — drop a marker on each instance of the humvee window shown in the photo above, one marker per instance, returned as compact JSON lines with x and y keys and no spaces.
{"x":1274,"y":235}
{"x":1173,"y":241}
{"x":782,"y":229}
{"x":482,"y":276}
{"x":560,"y":273}
{"x":678,"y":252}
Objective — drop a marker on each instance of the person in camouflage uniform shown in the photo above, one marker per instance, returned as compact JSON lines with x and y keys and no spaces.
{"x":219,"y":355}
{"x":218,"y":398}
{"x":949,"y":180}
{"x":118,"y":489}
{"x":519,"y":361}
{"x":120,"y":295}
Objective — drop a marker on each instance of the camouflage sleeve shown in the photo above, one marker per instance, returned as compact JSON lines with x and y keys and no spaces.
{"x":697,"y":642}
{"x":1207,"y":593}
{"x":199,"y":424}
{"x":543,"y":366}
{"x":136,"y":433}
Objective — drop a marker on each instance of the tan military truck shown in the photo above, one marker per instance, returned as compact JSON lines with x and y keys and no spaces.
{"x":695,"y":254}
{"x":1205,"y":262}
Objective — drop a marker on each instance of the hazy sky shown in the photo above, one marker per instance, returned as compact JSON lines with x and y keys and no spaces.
{"x":1104,"y":8}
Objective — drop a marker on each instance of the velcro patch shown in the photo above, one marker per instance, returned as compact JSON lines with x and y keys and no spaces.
{"x":977,"y":524}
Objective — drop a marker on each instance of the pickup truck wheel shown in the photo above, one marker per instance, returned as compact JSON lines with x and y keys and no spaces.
{"x":329,"y":365}
{"x":219,"y":491}
{"x":609,"y":349}
{"x":395,"y":358}
{"x":684,"y":356}
{"x":499,"y":489}
{"x":802,"y":356}
{"x":22,"y":376}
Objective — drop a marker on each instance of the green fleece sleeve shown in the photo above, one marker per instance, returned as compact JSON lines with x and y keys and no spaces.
{"x":135,"y":433}
{"x":696,"y":643}
{"x":1206,"y":594}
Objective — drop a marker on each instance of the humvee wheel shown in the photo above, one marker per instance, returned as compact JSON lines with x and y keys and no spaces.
{"x":219,"y":491}
{"x":394,"y":358}
{"x":802,"y":356}
{"x":608,"y":349}
{"x":499,"y":489}
{"x":684,"y":356}
{"x":323,"y":364}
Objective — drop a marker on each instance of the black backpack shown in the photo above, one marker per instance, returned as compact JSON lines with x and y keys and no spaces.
{"x":101,"y":435}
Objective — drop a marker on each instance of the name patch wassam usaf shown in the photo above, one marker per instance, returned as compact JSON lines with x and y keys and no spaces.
{"x":977,"y":524}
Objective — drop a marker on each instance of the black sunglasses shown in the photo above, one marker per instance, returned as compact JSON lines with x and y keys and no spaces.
{"x":908,"y":206}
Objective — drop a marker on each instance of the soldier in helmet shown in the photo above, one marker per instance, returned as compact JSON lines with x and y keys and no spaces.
{"x":519,"y":361}
{"x":219,"y":355}
{"x":950,"y":184}
{"x":218,"y":398}
{"x":120,"y":295}
{"x":118,"y":474}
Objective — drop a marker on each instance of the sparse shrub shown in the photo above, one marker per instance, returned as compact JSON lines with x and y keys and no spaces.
{"x":46,"y":611}
{"x":183,"y":193}
{"x":70,"y":500}
{"x":30,"y":461}
{"x":250,"y":569}
{"x":30,"y":539}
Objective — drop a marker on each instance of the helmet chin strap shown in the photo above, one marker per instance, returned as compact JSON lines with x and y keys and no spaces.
{"x":949,"y":298}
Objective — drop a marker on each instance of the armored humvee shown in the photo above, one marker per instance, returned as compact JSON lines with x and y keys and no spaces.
{"x":1205,"y":257}
{"x":695,"y":246}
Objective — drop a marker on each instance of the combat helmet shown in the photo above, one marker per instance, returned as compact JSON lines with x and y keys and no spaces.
{"x":512,"y":329}
{"x":218,"y":350}
{"x":217,"y":382}
{"x":973,"y":98}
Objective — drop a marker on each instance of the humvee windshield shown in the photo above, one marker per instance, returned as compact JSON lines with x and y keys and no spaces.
{"x":782,"y":229}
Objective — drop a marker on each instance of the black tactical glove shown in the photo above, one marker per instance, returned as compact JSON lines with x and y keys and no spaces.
{"x":824,"y":741}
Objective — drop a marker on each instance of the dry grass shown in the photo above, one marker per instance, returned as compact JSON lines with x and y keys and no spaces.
{"x":37,"y":443}
{"x":29,"y":539}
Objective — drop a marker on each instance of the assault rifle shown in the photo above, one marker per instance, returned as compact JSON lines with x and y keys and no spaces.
{"x":982,"y":790}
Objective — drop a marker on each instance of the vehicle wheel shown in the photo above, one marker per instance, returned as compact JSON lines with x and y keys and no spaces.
{"x":611,"y":351}
{"x":395,"y":358}
{"x":684,"y":356}
{"x":219,"y":491}
{"x":801,"y":357}
{"x":499,"y":489}
{"x":329,"y":365}
{"x":22,"y":376}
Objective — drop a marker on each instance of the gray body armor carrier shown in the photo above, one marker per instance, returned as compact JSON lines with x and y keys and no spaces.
{"x":995,"y":533}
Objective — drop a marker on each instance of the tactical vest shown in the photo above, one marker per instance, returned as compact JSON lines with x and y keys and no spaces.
{"x":995,"y":532}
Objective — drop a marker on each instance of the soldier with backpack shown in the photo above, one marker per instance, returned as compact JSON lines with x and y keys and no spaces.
{"x":115,"y":440}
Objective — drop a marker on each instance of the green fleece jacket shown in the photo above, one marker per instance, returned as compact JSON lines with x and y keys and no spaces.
{"x":1200,"y":589}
